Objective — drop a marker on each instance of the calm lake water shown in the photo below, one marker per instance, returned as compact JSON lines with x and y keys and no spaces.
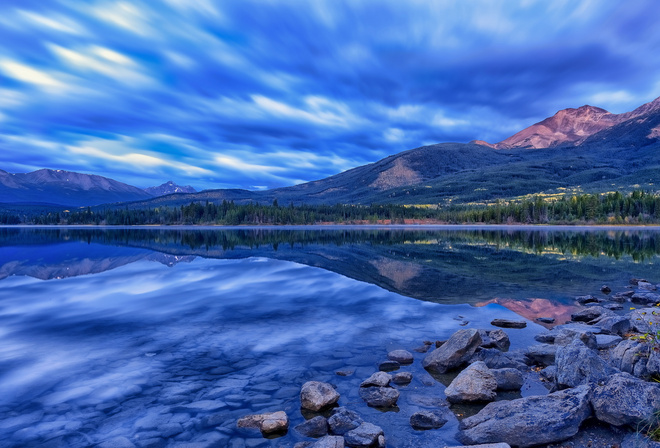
{"x":165,"y":337}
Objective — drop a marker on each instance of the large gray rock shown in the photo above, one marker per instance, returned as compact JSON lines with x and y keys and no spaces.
{"x":644,"y":320}
{"x":496,"y":359}
{"x":567,"y":335}
{"x":631,"y":356}
{"x":365,"y":435}
{"x":427,"y":420}
{"x":343,"y":420}
{"x":316,"y":396}
{"x":604,"y":341}
{"x":379,"y":397}
{"x":625,"y":400}
{"x":541,"y":354}
{"x":614,"y":324}
{"x":269,"y":423}
{"x":577,"y":364}
{"x":508,"y":379}
{"x":529,"y":421}
{"x":508,"y":323}
{"x":453,"y":353}
{"x":476,"y":383}
{"x":589,"y":314}
{"x":645,"y":298}
{"x":495,"y":339}
{"x":314,"y":427}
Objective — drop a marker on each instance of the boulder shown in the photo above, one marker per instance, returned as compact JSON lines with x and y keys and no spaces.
{"x":567,"y":335}
{"x":508,"y":379}
{"x":630,"y":356}
{"x":378,"y":379}
{"x":508,"y":323}
{"x":529,"y":421}
{"x":547,"y":337}
{"x":427,"y":420}
{"x":314,"y":427}
{"x":329,"y":442}
{"x":614,"y":324}
{"x":644,"y":319}
{"x":400,"y":356}
{"x":541,"y":354}
{"x":625,"y":400}
{"x":577,"y":365}
{"x":453,"y":353}
{"x":316,"y":396}
{"x":343,"y":420}
{"x":379,"y":397}
{"x":499,"y":339}
{"x":646,"y":286}
{"x":365,"y":435}
{"x":496,"y":359}
{"x":645,"y":298}
{"x":402,"y":378}
{"x":589,"y":314}
{"x":476,"y":383}
{"x":269,"y":423}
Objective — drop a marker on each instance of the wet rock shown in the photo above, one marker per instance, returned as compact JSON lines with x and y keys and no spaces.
{"x":329,"y":442}
{"x":496,"y":359}
{"x":528,"y":421}
{"x":402,"y":378}
{"x":316,"y":396}
{"x":625,"y":400}
{"x":582,"y":300}
{"x":422,"y":348}
{"x":400,"y":356}
{"x":269,"y":423}
{"x":475,"y":383}
{"x":577,"y":365}
{"x":541,"y":354}
{"x":605,"y":289}
{"x":314,"y":427}
{"x":546,"y":320}
{"x":508,"y":323}
{"x":427,"y":420}
{"x":647,"y":286}
{"x":378,"y":379}
{"x":365,"y":435}
{"x":455,"y":352}
{"x":389,"y":366}
{"x":508,"y":379}
{"x":343,"y":420}
{"x":645,"y":298}
{"x":589,"y":314}
{"x":607,"y":340}
{"x":379,"y":397}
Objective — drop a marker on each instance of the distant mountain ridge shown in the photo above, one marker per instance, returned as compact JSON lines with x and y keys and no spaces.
{"x":169,"y":187}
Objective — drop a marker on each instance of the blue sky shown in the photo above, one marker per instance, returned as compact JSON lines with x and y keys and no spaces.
{"x":256,"y":94}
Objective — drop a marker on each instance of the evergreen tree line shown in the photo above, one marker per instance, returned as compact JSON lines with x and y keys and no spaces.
{"x":613,"y":208}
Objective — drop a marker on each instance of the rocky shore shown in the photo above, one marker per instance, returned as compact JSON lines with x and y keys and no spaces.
{"x":600,"y":371}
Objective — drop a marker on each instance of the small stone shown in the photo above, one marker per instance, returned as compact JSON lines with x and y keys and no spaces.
{"x":345,"y":372}
{"x":269,"y":423}
{"x":546,"y":320}
{"x":586,"y":299}
{"x":316,"y":396}
{"x":400,"y":356}
{"x":402,"y":378}
{"x":605,"y":289}
{"x":329,"y":442}
{"x":388,"y":366}
{"x":427,"y":420}
{"x":378,"y":379}
{"x":508,"y":323}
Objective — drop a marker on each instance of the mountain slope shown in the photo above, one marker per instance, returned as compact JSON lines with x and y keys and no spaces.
{"x":169,"y":187}
{"x":65,"y":188}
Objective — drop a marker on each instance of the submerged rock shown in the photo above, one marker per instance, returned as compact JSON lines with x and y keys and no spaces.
{"x":343,"y":420}
{"x":476,"y":383}
{"x":626,"y":400}
{"x":269,"y":423}
{"x":388,"y":366}
{"x":455,"y":352}
{"x":365,"y":435}
{"x":316,"y":396}
{"x":378,"y":379}
{"x":508,"y":323}
{"x":314,"y":427}
{"x":427,"y":420}
{"x":328,"y":442}
{"x":401,"y":356}
{"x":402,"y":378}
{"x":529,"y":421}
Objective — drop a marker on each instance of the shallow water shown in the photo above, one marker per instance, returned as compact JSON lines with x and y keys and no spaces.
{"x":167,"y":337}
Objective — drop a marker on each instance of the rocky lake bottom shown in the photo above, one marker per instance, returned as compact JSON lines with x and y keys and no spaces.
{"x":169,"y":349}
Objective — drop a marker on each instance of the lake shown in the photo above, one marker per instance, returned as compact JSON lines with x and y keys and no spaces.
{"x":166,"y":336}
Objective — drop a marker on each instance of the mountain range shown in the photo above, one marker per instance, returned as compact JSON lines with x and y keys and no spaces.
{"x":587,"y":149}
